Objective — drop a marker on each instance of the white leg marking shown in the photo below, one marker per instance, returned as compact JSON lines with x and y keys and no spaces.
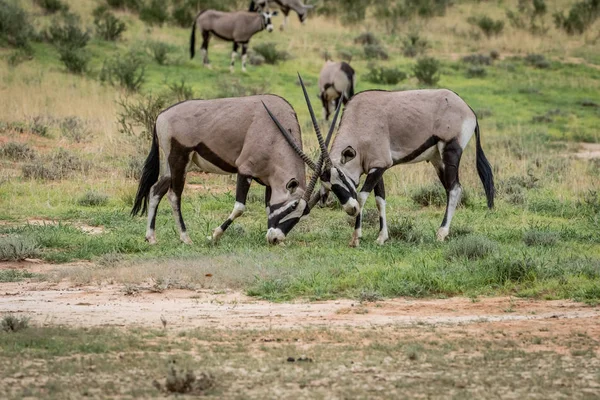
{"x":467,"y":130}
{"x":453,"y":200}
{"x":231,"y":67}
{"x":152,"y":206}
{"x":238,"y":210}
{"x":383,"y":232}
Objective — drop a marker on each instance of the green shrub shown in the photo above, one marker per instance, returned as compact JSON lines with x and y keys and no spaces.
{"x":427,"y":71}
{"x":181,"y":90}
{"x":19,"y":56}
{"x":256,"y":59}
{"x":131,"y":5}
{"x":52,"y":6}
{"x":108,"y":26}
{"x":15,"y":28}
{"x":75,"y":59}
{"x":505,"y":269}
{"x":537,"y":61}
{"x":235,"y":88}
{"x":16,"y":248}
{"x":126,"y":71}
{"x":387,"y":76}
{"x":580,"y":17}
{"x":375,"y":51}
{"x":140,"y":112}
{"x":75,"y":129}
{"x":476,"y":71}
{"x":529,"y":16}
{"x":154,"y":12}
{"x":487,"y":25}
{"x":537,"y":237}
{"x":159,"y":51}
{"x":405,"y":230}
{"x":413,"y":45}
{"x":57,"y":166}
{"x":270,"y":53}
{"x":65,"y":31}
{"x":92,"y":199}
{"x":12,"y":323}
{"x":430,"y":195}
{"x":38,"y":126}
{"x":17,"y":151}
{"x":182,"y":15}
{"x":366,"y":38}
{"x":477,"y":59}
{"x":471,"y":247}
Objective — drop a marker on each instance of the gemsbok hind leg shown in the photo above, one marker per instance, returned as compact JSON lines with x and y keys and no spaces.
{"x":233,"y":56}
{"x":158,"y":190}
{"x":241,"y":194}
{"x":380,"y":201}
{"x":447,"y":170}
{"x":205,"y":41}
{"x":178,"y":164}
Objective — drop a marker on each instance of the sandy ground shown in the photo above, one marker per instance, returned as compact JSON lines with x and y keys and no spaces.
{"x":63,"y":303}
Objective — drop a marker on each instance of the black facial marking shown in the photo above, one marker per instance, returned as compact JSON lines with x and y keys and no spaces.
{"x":432,"y":141}
{"x":341,"y":193}
{"x":287,"y":226}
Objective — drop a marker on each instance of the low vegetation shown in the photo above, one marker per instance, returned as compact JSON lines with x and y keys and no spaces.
{"x":426,"y":70}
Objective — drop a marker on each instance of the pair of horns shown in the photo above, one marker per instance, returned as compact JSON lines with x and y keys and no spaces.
{"x":323,"y":157}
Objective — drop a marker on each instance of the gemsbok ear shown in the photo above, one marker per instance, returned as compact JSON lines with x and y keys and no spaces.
{"x":292,"y":185}
{"x":348,"y":154}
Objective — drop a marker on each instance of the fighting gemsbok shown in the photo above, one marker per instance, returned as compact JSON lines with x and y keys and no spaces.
{"x":237,"y":27}
{"x":230,"y":136}
{"x":285,"y":6}
{"x":336,"y":84}
{"x":380,"y":129}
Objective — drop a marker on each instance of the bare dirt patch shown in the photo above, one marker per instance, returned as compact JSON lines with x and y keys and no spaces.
{"x":588,"y":151}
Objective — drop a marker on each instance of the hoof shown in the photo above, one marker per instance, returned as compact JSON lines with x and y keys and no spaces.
{"x":442,"y":233}
{"x":186,"y":239}
{"x":354,"y":242}
{"x":216,"y":235}
{"x":151,"y":239}
{"x":381,"y":240}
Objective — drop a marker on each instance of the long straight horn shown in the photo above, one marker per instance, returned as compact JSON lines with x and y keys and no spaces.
{"x":290,"y":140}
{"x":324,"y":152}
{"x":332,"y":127}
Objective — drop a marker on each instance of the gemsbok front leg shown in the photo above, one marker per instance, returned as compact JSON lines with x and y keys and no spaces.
{"x":380,"y":201}
{"x":204,"y":51}
{"x":241,"y":194}
{"x":373,"y":178}
{"x":233,"y":56}
{"x":178,"y":161}
{"x":157,"y":192}
{"x":244,"y":56}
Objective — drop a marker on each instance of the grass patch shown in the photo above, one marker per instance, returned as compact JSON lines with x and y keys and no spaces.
{"x":471,"y":247}
{"x":15,"y":248}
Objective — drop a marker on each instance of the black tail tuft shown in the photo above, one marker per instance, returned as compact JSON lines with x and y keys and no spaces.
{"x":349,"y":71}
{"x":484,"y":169}
{"x":149,"y":178}
{"x":193,"y":40}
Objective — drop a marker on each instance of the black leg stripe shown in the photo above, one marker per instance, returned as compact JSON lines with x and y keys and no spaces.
{"x":226,"y":224}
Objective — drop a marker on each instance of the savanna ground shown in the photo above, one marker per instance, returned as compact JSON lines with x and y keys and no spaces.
{"x":507,"y":307}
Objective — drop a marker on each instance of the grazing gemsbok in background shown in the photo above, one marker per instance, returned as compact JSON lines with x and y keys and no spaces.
{"x":336,"y":83}
{"x":229,"y":136}
{"x":380,"y":129}
{"x":237,"y":27}
{"x":285,"y":6}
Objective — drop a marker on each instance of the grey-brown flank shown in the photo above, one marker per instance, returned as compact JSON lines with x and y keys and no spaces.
{"x":228,"y":136}
{"x":237,"y":27}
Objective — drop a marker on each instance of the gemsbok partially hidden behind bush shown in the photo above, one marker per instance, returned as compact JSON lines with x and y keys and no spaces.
{"x":380,"y":129}
{"x":230,"y":136}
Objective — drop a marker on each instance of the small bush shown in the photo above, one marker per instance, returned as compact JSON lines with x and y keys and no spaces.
{"x":15,"y":248}
{"x":131,"y":5}
{"x":52,"y":6}
{"x":366,"y":38}
{"x":75,"y":59}
{"x":405,"y":230}
{"x":15,"y":28}
{"x":471,"y":247}
{"x":537,"y":237}
{"x":537,"y":61}
{"x":235,"y":88}
{"x":75,"y":129}
{"x":11,"y":323}
{"x":270,"y":53}
{"x":154,"y":12}
{"x":141,"y":112}
{"x":477,"y":59}
{"x":430,"y":195}
{"x":427,"y":71}
{"x":413,"y":45}
{"x":476,"y":71}
{"x":54,"y":167}
{"x":375,"y":51}
{"x":181,"y":91}
{"x":159,"y":51}
{"x":580,"y":17}
{"x":19,"y":56}
{"x":387,"y":76}
{"x":487,"y":25}
{"x":93,"y":199}
{"x":38,"y":126}
{"x":494,"y":55}
{"x":66,"y":32}
{"x":108,"y":26}
{"x":256,"y":59}
{"x":128,"y":71}
{"x":17,"y":151}
{"x":134,"y":168}
{"x":182,"y":15}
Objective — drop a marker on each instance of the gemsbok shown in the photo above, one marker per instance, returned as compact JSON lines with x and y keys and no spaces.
{"x":380,"y":129}
{"x":230,"y":136}
{"x":285,"y":6}
{"x":237,"y":27}
{"x":336,"y":83}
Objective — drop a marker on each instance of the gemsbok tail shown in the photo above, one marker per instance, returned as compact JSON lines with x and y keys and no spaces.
{"x":484,"y":169}
{"x":193,"y":39}
{"x":148,"y":179}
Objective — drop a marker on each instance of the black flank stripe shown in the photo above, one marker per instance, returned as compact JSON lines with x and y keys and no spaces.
{"x":432,"y":141}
